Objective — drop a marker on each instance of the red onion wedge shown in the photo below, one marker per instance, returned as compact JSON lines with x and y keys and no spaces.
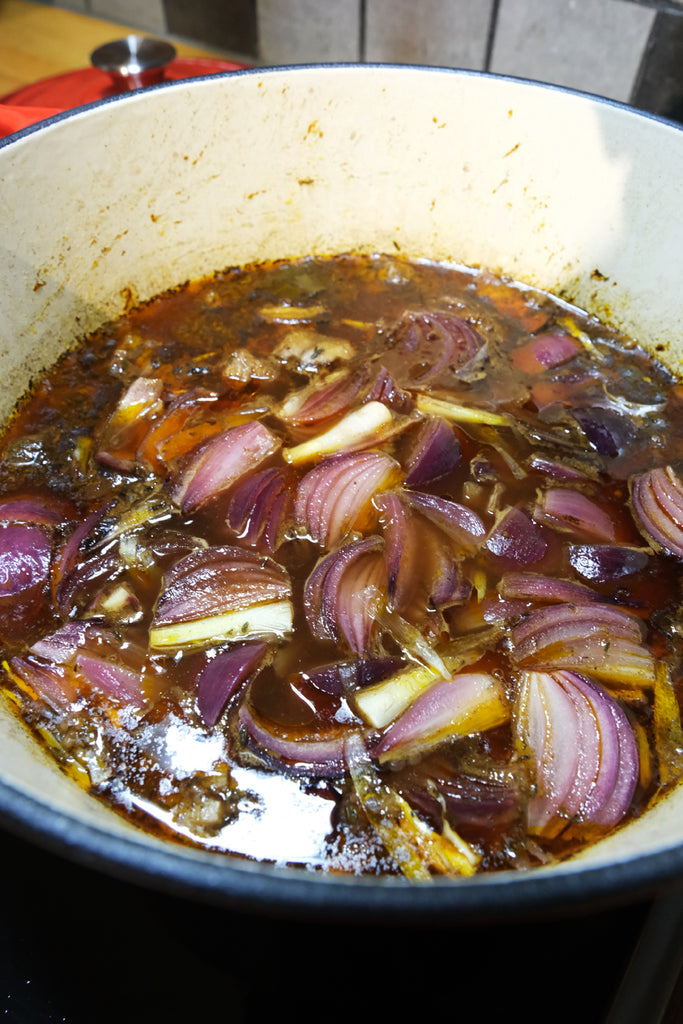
{"x":544,"y":352}
{"x":468,"y":703}
{"x":221,"y":462}
{"x":55,"y":684}
{"x":574,"y":511}
{"x":25,"y":558}
{"x":604,"y":641}
{"x":224,"y":676}
{"x":129,"y":423}
{"x":343,"y":677}
{"x":433,"y":451}
{"x":335,"y":497}
{"x":385,"y":389}
{"x":341,"y":592}
{"x":261,"y":508}
{"x":516,"y":540}
{"x":324,"y":399}
{"x":583,"y":749}
{"x":458,"y":521}
{"x":657,"y":498}
{"x":41,"y":512}
{"x":423,"y":567}
{"x":529,"y":586}
{"x":220,"y":594}
{"x":294,"y":752}
{"x":425,"y":345}
{"x":604,"y":563}
{"x":369,"y":424}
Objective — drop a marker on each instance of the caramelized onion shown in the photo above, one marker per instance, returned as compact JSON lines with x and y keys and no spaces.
{"x":221,"y":462}
{"x":528,"y":586}
{"x":323,"y":400}
{"x":599,"y":639}
{"x":130,"y":421}
{"x":544,"y":351}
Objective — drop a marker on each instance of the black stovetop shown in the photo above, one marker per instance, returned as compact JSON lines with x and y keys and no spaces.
{"x":80,"y":947}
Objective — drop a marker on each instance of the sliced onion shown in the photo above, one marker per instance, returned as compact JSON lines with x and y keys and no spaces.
{"x":575,"y":511}
{"x":544,"y":351}
{"x":221,"y":593}
{"x":608,"y":432}
{"x":528,"y":586}
{"x":370,"y":424}
{"x":323,"y":400}
{"x":223,"y":676}
{"x":340,"y":594}
{"x":468,"y":703}
{"x":292,"y":752}
{"x":35,"y":510}
{"x":585,"y":754}
{"x":425,"y":345}
{"x":261,"y":507}
{"x":600,"y":640}
{"x":25,"y":554}
{"x":423,"y":568}
{"x":25,"y":558}
{"x":335,"y":497}
{"x":657,"y":497}
{"x":603,"y":563}
{"x":554,"y":469}
{"x":342,"y":677}
{"x":56,"y":684}
{"x":114,"y":680}
{"x":129,"y":423}
{"x":385,"y":389}
{"x":434,"y":452}
{"x":61,"y":646}
{"x":222,"y":461}
{"x":516,"y":539}
{"x":459,"y":522}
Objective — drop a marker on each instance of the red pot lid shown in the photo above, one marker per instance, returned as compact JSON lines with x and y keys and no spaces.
{"x":53,"y":95}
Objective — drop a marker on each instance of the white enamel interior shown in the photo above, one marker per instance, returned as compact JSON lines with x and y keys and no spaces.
{"x":565,"y":192}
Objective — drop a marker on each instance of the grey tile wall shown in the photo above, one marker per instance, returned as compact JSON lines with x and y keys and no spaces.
{"x":452,"y":33}
{"x":594,"y":45}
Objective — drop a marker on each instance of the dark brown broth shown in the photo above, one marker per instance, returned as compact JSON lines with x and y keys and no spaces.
{"x":162,"y":766}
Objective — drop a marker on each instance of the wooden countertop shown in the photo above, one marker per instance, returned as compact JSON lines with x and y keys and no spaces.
{"x":37,"y":41}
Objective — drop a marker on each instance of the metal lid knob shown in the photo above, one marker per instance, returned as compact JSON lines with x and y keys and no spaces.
{"x":133,"y":62}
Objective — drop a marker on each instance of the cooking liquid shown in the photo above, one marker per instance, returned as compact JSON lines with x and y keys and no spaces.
{"x":161,"y":765}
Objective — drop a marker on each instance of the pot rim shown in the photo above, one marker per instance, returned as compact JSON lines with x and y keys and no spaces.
{"x":244,"y":885}
{"x":217,"y":880}
{"x":347,"y":66}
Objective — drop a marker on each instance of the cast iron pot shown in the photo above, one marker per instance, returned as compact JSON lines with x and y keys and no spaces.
{"x":127,"y":197}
